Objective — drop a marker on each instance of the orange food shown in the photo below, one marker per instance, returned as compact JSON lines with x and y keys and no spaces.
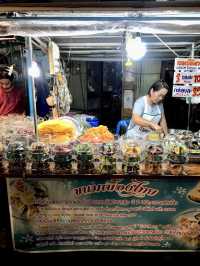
{"x":99,"y":134}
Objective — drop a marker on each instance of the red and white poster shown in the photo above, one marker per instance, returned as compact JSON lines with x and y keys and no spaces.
{"x":196,"y":91}
{"x":187,"y":65}
{"x":186,"y":77}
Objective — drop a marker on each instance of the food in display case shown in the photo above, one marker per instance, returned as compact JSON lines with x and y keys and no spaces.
{"x":38,"y":161}
{"x":177,"y":157}
{"x":84,"y":157}
{"x":194,"y":146}
{"x":132,"y":156}
{"x":178,"y":153}
{"x":57,"y":131}
{"x":108,"y":158}
{"x":99,"y":134}
{"x":153,"y":136}
{"x":194,"y":150}
{"x":184,"y":135}
{"x":16,"y":158}
{"x":153,"y":158}
{"x":62,"y":156}
{"x":154,"y":153}
{"x":94,"y":152}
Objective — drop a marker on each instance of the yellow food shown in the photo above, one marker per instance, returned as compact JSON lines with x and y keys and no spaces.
{"x":99,"y":134}
{"x":133,"y":150}
{"x":57,"y":131}
{"x":179,"y":150}
{"x":153,"y":136}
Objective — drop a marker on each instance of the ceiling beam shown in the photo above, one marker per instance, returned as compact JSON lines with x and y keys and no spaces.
{"x":100,"y":5}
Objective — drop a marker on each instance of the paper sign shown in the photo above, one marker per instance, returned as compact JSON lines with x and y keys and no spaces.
{"x":183,"y":78}
{"x":196,"y":91}
{"x":182,"y":91}
{"x":186,"y":77}
{"x":196,"y":78}
{"x":128,"y":99}
{"x":109,"y":214}
{"x":187,"y":65}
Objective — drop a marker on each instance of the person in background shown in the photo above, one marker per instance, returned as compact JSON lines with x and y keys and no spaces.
{"x":12,"y":99}
{"x":42,"y":94}
{"x":148,"y":113}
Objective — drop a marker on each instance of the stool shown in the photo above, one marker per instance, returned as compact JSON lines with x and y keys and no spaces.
{"x":122,"y":124}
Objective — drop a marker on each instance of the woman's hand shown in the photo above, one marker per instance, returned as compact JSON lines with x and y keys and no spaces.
{"x":155,"y":127}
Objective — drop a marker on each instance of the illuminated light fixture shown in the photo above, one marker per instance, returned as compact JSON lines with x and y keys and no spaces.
{"x":129,"y":63}
{"x":34,"y":70}
{"x":135,"y":48}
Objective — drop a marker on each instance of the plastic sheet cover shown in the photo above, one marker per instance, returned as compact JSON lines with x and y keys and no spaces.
{"x":78,"y":24}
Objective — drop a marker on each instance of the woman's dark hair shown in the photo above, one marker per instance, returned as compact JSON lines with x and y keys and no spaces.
{"x":4,"y":73}
{"x":158,"y":85}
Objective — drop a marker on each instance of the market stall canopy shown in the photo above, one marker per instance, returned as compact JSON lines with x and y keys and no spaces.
{"x":80,"y":23}
{"x":103,"y":32}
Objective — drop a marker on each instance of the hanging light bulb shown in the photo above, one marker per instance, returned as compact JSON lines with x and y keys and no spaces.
{"x":135,"y":48}
{"x":129,"y":62}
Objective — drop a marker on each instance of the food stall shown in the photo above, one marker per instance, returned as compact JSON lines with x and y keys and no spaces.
{"x":102,"y":195}
{"x":74,"y":187}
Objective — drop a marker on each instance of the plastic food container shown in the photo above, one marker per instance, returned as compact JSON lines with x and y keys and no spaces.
{"x":132,"y":156}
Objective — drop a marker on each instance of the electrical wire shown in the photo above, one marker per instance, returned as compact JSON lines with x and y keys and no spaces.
{"x":177,"y":55}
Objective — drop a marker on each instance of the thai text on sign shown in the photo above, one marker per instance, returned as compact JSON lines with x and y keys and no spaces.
{"x":186,"y":77}
{"x":182,"y":91}
{"x":187,"y":64}
{"x":195,"y":91}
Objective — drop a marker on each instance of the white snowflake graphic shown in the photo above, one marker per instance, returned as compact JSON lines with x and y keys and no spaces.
{"x":181,"y":191}
{"x":166,"y":244}
{"x":27,"y":238}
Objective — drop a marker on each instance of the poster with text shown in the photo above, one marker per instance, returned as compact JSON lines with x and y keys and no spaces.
{"x":186,"y":77}
{"x":105,"y":214}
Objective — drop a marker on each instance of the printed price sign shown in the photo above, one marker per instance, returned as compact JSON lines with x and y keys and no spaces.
{"x":196,"y":78}
{"x":195,"y":91}
{"x":183,"y":78}
{"x":187,"y":65}
{"x":186,"y":77}
{"x":182,"y":91}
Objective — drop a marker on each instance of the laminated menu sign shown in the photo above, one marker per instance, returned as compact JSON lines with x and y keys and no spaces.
{"x":105,"y":214}
{"x":186,"y":77}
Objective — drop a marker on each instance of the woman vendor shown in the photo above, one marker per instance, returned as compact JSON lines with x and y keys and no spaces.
{"x":12,"y":99}
{"x":148,"y":113}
